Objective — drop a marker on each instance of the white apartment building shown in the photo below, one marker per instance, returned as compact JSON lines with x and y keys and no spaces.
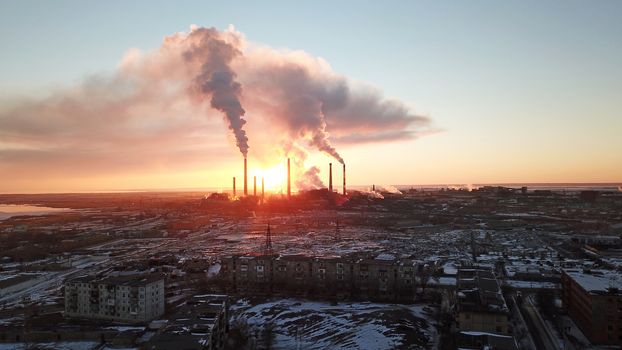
{"x":131,"y":299}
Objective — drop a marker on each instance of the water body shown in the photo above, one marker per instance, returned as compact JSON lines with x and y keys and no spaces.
{"x":9,"y":210}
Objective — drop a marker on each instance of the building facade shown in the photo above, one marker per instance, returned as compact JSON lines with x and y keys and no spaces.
{"x":593,"y":299}
{"x":202,"y":323}
{"x":480,"y":305}
{"x":382,"y":277}
{"x":131,"y":299}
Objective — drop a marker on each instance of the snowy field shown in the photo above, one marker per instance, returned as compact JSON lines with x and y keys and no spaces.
{"x":76,"y":345}
{"x":299,"y":324}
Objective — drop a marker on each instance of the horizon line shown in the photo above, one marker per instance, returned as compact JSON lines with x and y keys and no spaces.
{"x":403,"y":186}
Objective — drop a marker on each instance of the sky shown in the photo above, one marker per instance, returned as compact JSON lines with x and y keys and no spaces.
{"x":513,"y":91}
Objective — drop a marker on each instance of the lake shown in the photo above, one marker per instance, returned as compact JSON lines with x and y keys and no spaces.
{"x":9,"y":210}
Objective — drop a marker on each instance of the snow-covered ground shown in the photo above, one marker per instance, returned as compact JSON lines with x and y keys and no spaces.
{"x":348,"y":325}
{"x":74,"y":345}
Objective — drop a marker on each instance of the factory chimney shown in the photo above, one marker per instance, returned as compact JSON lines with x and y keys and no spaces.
{"x":344,"y":179}
{"x":289,"y":180}
{"x":330,"y":177}
{"x":234,"y":187}
{"x":245,"y":179}
{"x":262,"y":189}
{"x":254,"y":186}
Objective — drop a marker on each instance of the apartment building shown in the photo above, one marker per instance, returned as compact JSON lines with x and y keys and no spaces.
{"x":202,"y":323}
{"x":130,"y":299}
{"x":480,"y":305}
{"x":381,"y":277}
{"x":593,"y":299}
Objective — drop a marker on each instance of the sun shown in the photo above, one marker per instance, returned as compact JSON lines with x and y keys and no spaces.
{"x":275,"y":178}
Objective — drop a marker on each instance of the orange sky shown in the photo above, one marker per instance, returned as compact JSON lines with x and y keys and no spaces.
{"x":432,"y":95}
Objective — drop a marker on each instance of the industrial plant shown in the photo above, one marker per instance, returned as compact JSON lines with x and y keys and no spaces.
{"x":288,"y":181}
{"x":177,"y":191}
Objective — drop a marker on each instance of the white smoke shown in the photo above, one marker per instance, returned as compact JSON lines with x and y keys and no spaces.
{"x":387,"y":189}
{"x":150,"y":112}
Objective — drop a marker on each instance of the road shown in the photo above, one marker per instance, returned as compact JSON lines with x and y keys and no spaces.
{"x":539,"y":330}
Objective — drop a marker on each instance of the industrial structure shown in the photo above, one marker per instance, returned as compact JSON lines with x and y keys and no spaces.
{"x":245,"y":179}
{"x":289,"y":180}
{"x":262,"y":189}
{"x":344,"y":179}
{"x":330,"y":177}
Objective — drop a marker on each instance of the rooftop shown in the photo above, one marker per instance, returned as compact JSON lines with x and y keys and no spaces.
{"x":127,"y":280}
{"x":478,"y":290}
{"x":596,"y":281}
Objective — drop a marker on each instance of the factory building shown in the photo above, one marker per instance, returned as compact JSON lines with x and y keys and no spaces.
{"x":130,"y":299}
{"x":593,"y":299}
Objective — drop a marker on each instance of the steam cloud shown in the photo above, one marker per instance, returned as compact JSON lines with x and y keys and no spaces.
{"x":150,"y":112}
{"x":310,"y":179}
{"x":217,"y":79}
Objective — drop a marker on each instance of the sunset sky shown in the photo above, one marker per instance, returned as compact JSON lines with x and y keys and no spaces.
{"x":469,"y":92}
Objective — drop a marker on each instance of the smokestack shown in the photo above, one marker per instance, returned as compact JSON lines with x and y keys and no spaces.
{"x":234,"y":186}
{"x":373,"y":188}
{"x":255,"y":186}
{"x":330,"y":177}
{"x":245,"y":179}
{"x":262,"y":189}
{"x":344,"y":179}
{"x":289,"y":180}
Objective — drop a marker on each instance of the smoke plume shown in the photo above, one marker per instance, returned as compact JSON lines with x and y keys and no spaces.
{"x":387,"y":189}
{"x":305,"y":179}
{"x":151,"y":113}
{"x":217,"y":79}
{"x":309,"y":180}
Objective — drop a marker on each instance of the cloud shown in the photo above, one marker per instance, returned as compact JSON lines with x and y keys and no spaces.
{"x":163,"y":108}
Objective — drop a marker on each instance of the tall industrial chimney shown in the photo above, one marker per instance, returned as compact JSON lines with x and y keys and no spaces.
{"x":255,"y":186}
{"x":330,"y":177}
{"x":344,"y":179}
{"x":262,"y":189}
{"x":289,"y":180}
{"x":245,"y":179}
{"x":234,"y":186}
